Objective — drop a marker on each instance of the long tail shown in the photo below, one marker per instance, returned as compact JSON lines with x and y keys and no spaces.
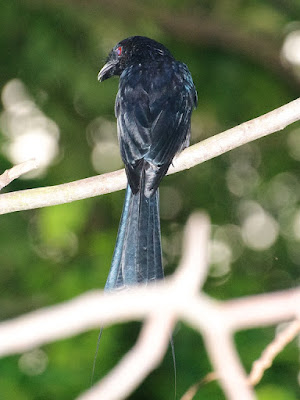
{"x":137,"y":256}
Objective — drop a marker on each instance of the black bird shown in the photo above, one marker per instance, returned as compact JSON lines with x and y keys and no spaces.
{"x":153,"y":108}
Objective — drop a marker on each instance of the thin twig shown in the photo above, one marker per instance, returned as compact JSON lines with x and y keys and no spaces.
{"x":16,"y":171}
{"x":272,"y":350}
{"x":207,"y":149}
{"x":192,"y":390}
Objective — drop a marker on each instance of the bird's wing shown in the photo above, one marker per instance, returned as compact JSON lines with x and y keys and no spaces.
{"x":134,"y":127}
{"x":153,"y":109}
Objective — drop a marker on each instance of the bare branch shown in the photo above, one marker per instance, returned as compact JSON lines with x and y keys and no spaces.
{"x":274,"y":348}
{"x":169,"y":301}
{"x":138,"y":363}
{"x":259,"y":366}
{"x":193,"y":269}
{"x":224,"y":357}
{"x":263,"y":309}
{"x":266,"y":124}
{"x":60,"y":321}
{"x":15,"y":172}
{"x":96,"y":309}
{"x":144,"y":357}
{"x":60,"y":194}
{"x":192,"y":390}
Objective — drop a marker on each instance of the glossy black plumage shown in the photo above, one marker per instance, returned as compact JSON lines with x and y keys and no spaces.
{"x":153,"y":108}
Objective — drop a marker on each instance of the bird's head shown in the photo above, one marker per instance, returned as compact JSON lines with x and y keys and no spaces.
{"x":133,"y":50}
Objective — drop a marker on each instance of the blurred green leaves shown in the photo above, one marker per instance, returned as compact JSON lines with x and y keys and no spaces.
{"x":275,"y":392}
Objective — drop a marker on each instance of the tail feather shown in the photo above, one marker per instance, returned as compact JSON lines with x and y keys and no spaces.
{"x":137,"y":256}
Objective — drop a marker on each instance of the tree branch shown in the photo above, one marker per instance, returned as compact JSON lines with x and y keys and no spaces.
{"x":15,"y":172}
{"x":259,"y":366}
{"x":137,"y":363}
{"x":266,"y":124}
{"x":161,"y":305}
{"x":273,"y":349}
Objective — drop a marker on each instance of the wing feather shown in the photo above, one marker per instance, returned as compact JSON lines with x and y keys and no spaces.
{"x":153,"y":109}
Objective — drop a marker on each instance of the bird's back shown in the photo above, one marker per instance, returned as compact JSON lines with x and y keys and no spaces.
{"x":153,"y":108}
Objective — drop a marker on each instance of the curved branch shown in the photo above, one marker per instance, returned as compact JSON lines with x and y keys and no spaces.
{"x":169,"y":300}
{"x":15,"y":172}
{"x":272,"y":350}
{"x":266,"y":124}
{"x":137,"y":363}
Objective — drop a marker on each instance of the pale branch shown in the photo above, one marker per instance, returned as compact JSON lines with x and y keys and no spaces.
{"x":232,"y":377}
{"x":61,"y":194}
{"x":193,"y":268}
{"x":263,"y":310}
{"x":15,"y":172}
{"x":137,"y":363}
{"x":272,"y":350}
{"x":282,"y":339}
{"x":97,"y":308}
{"x":266,"y":124}
{"x":192,"y":390}
{"x":52,"y":323}
{"x":217,"y":321}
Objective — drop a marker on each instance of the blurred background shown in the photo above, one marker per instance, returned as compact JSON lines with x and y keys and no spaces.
{"x":244,"y":56}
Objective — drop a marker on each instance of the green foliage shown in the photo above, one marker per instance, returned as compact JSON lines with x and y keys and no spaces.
{"x":275,"y":392}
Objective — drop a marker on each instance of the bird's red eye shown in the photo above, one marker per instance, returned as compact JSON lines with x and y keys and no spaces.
{"x":119,"y":50}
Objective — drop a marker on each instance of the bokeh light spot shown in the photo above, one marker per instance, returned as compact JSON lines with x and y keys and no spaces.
{"x":33,"y":362}
{"x":102,"y":137}
{"x":259,"y":229}
{"x":30,"y":134}
{"x":291,"y":47}
{"x":220,"y":258}
{"x":293,"y":144}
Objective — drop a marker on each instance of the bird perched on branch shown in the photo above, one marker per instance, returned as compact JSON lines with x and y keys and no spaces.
{"x":153,"y":108}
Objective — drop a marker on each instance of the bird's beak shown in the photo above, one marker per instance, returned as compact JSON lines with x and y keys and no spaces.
{"x":107,"y":71}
